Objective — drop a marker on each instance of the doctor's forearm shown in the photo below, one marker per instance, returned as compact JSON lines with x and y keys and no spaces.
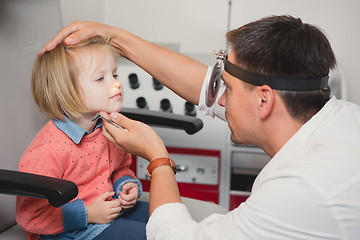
{"x":163,"y":188}
{"x":178,"y":72}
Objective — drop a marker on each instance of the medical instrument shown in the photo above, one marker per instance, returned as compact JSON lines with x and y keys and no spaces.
{"x":97,"y":116}
{"x":277,"y":83}
{"x":215,"y":78}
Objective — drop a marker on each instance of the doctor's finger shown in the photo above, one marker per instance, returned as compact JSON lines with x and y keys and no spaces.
{"x":71,"y":34}
{"x":109,"y":137}
{"x":136,"y":138}
{"x":59,"y":37}
{"x":114,"y":134}
{"x":120,"y":119}
{"x":127,"y":125}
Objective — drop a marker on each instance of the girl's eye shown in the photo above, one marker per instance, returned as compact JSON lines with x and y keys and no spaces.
{"x":99,"y":79}
{"x":115,"y":76}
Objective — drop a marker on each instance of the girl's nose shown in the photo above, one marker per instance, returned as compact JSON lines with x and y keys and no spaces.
{"x":116,"y":85}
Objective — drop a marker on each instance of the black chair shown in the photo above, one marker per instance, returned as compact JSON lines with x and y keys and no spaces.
{"x":56,"y":191}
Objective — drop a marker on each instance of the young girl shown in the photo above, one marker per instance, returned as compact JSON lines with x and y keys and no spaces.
{"x":71,"y":85}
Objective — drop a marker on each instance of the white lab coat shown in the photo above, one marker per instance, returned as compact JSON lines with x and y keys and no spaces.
{"x":309,"y":190}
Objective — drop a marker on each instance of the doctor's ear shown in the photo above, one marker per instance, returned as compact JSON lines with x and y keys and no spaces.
{"x":266,"y":98}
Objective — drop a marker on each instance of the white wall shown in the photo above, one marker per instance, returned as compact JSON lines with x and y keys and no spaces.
{"x":200,"y":25}
{"x":85,"y":10}
{"x":24,"y":27}
{"x":23,"y":31}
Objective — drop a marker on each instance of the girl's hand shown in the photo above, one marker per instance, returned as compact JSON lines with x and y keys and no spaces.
{"x":104,"y":209}
{"x":129,"y":195}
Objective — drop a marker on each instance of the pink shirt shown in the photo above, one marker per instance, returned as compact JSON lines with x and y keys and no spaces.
{"x":93,"y":165}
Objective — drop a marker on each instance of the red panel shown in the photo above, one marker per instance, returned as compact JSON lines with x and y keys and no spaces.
{"x":194,"y":151}
{"x":235,"y":201}
{"x":192,"y":190}
{"x":203,"y":192}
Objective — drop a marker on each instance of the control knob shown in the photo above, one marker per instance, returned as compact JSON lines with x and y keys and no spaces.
{"x":141,"y":103}
{"x":134,"y":81}
{"x":190,"y":109}
{"x":165,"y":105}
{"x":157,"y":85}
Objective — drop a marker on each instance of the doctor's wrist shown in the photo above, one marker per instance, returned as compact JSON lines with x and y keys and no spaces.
{"x":158,"y":157}
{"x":160,"y":152}
{"x":161,"y":162}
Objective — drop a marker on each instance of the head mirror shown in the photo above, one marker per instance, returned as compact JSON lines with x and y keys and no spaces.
{"x":215,"y":79}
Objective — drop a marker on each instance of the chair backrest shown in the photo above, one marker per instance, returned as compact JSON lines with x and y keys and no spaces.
{"x":25,"y":26}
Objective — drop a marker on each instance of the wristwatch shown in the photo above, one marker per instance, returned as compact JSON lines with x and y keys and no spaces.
{"x":160,"y":162}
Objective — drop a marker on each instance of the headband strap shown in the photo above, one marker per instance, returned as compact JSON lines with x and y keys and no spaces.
{"x":277,"y":83}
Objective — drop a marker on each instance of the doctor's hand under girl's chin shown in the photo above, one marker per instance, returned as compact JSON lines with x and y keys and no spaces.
{"x":135,"y":137}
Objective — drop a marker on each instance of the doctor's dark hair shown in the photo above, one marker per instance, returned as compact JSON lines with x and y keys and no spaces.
{"x":54,"y":84}
{"x":284,"y":46}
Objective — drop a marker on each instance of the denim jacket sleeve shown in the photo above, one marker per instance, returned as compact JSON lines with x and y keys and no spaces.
{"x":74,"y":215}
{"x":122,"y":181}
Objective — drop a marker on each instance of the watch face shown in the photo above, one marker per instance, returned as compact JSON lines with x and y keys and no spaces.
{"x":214,"y":84}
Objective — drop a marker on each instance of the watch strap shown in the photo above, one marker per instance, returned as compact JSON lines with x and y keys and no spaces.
{"x":160,"y":162}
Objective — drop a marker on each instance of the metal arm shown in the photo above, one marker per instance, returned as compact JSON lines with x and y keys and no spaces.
{"x":56,"y":191}
{"x":191,"y":125}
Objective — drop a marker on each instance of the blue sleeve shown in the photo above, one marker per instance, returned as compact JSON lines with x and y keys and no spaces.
{"x":74,"y":215}
{"x":122,"y":181}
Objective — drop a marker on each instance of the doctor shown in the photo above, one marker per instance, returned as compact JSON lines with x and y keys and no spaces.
{"x":277,"y":98}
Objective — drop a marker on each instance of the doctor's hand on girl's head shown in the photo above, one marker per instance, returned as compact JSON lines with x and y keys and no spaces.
{"x":104,"y":209}
{"x":136,"y":137}
{"x":76,"y":32}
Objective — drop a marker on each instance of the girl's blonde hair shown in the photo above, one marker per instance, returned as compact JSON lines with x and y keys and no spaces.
{"x":53,"y":81}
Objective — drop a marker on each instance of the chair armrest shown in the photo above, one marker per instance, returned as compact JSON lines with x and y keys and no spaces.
{"x":190,"y":124}
{"x":56,"y":191}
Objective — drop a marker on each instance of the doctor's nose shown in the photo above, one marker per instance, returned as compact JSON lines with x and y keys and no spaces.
{"x":222,"y":100}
